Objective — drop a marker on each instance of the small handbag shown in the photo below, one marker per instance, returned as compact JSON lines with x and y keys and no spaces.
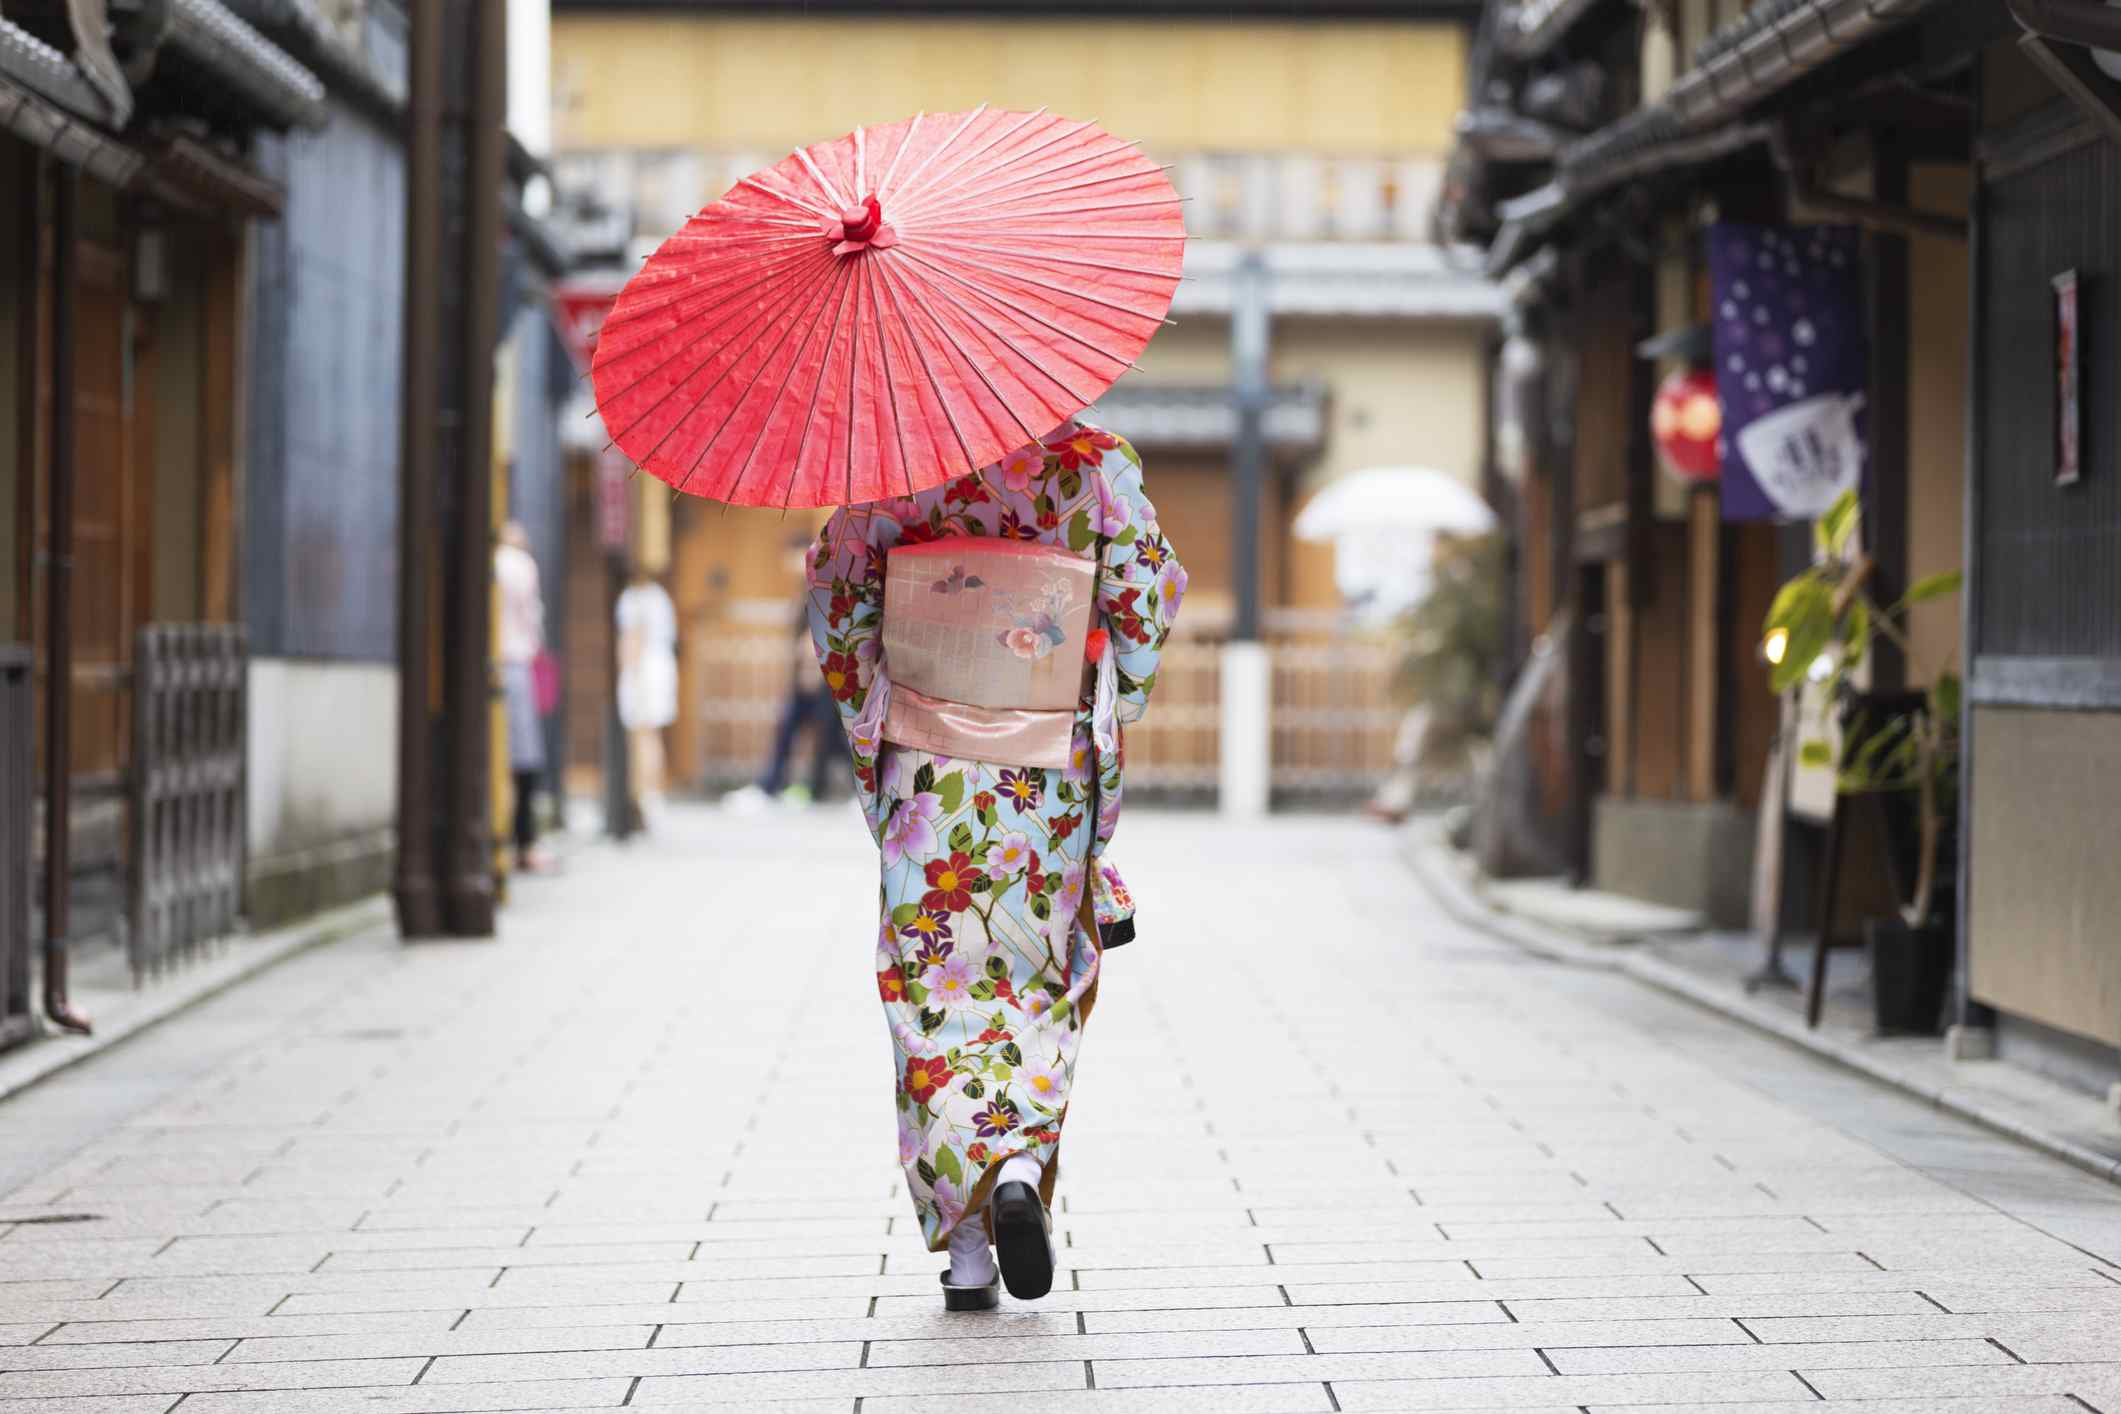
{"x":545,"y":682}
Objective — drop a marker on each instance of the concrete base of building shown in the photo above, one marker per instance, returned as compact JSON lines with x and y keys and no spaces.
{"x":296,"y":884}
{"x":1683,"y":854}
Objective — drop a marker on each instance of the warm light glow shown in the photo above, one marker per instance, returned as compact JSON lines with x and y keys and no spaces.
{"x":1775,"y":645}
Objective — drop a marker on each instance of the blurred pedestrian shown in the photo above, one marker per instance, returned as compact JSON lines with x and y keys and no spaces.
{"x":805,"y":711}
{"x":648,"y":683}
{"x":1027,"y":609}
{"x":520,"y":641}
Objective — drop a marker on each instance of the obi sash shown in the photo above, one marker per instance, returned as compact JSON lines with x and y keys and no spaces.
{"x":985,"y":650}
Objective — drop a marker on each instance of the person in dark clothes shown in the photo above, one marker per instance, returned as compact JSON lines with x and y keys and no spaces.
{"x":807,"y":709}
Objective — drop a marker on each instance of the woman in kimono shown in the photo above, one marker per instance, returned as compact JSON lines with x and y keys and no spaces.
{"x":987,"y":954}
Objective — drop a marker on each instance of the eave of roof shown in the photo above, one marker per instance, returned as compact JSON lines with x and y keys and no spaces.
{"x":1204,"y":415}
{"x":1352,"y":279}
{"x":1740,"y":67}
{"x":1530,"y":28}
{"x":263,"y":76}
{"x":42,"y":123}
{"x":296,"y":26}
{"x":44,"y":71}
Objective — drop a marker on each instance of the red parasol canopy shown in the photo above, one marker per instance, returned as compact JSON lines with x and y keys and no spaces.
{"x":890,"y":310}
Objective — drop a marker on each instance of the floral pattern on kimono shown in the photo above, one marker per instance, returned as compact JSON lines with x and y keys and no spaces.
{"x":984,"y":964}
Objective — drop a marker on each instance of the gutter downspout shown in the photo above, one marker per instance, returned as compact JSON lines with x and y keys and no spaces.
{"x":59,"y":622}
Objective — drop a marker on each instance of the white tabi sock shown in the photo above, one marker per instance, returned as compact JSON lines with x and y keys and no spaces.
{"x":1020,"y":1168}
{"x":971,"y":1259}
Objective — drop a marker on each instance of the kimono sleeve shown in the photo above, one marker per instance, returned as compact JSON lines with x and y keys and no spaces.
{"x":1143,"y":580}
{"x":845,"y":573}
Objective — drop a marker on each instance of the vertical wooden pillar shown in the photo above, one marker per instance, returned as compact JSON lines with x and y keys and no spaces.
{"x":445,"y":877}
{"x":221,"y":405}
{"x":1703,"y":554}
{"x":475,"y":128}
{"x":1885,"y":514}
{"x":1619,"y":680}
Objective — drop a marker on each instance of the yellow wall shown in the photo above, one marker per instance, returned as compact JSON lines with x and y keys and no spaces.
{"x":1402,"y":395}
{"x":1173,"y":86}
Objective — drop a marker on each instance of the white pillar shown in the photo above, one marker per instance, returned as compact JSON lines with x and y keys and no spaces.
{"x":1247,"y":736}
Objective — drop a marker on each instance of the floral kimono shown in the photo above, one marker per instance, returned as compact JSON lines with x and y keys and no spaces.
{"x":985,"y":960}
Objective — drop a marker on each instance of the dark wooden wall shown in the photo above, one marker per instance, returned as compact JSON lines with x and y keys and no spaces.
{"x":2050,"y":578}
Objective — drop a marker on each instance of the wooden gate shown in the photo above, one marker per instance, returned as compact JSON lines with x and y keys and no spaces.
{"x":1334,"y":721}
{"x":187,"y":816}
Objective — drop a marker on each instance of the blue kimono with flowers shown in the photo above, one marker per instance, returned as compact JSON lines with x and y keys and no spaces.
{"x":985,"y":964}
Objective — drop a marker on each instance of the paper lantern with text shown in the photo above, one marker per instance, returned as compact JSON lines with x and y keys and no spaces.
{"x":1685,"y":421}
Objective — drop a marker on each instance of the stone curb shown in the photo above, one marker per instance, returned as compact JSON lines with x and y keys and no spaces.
{"x":185,"y":988}
{"x":1433,"y":864}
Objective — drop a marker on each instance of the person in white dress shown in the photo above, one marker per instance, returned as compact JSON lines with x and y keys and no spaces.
{"x":520,"y":638}
{"x":648,"y":681}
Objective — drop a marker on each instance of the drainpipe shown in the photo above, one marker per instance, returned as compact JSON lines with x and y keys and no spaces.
{"x":1247,"y":670}
{"x":59,"y":624}
{"x":416,"y":889}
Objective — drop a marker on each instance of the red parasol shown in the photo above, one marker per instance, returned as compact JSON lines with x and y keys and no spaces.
{"x":891,"y":310}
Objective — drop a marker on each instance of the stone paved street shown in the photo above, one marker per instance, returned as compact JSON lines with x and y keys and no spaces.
{"x":1329,"y":1151}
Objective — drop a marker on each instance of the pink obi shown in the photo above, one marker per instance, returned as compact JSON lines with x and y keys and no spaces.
{"x":985,"y":643}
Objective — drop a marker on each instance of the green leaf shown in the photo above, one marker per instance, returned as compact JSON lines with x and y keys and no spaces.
{"x":961,"y":837}
{"x":1012,"y":1053}
{"x":1126,"y":449}
{"x":1856,"y":630}
{"x":1837,"y":527}
{"x":952,"y":790}
{"x":931,"y":1022}
{"x":1080,"y":536}
{"x":1060,"y":1009}
{"x":1816,"y":753}
{"x":926,"y":1171}
{"x":1803,"y":610}
{"x":981,"y":991}
{"x":1944,"y":698}
{"x":973,"y":1089}
{"x":1041,"y":907}
{"x":1934,"y":586}
{"x":1071,"y":484}
{"x":1126,"y":537}
{"x":997,"y":968}
{"x":981,"y":885}
{"x":905,"y":913}
{"x":987,"y":816}
{"x":949,"y":1165}
{"x":924,"y":780}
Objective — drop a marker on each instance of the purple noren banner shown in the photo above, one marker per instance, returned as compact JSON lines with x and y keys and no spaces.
{"x":1791,"y":360}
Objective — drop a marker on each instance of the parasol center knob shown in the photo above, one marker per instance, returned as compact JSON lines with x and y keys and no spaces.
{"x":864,"y":221}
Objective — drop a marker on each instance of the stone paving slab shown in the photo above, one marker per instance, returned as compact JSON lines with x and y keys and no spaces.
{"x":1329,"y":1151}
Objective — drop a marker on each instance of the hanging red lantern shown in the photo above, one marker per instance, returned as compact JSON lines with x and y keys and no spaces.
{"x":1685,"y":421}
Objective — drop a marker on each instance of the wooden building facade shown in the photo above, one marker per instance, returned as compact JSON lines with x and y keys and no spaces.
{"x":1975,"y":147}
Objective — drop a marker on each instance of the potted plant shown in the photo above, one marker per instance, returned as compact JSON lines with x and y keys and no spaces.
{"x":1822,"y":627}
{"x":1449,"y":674}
